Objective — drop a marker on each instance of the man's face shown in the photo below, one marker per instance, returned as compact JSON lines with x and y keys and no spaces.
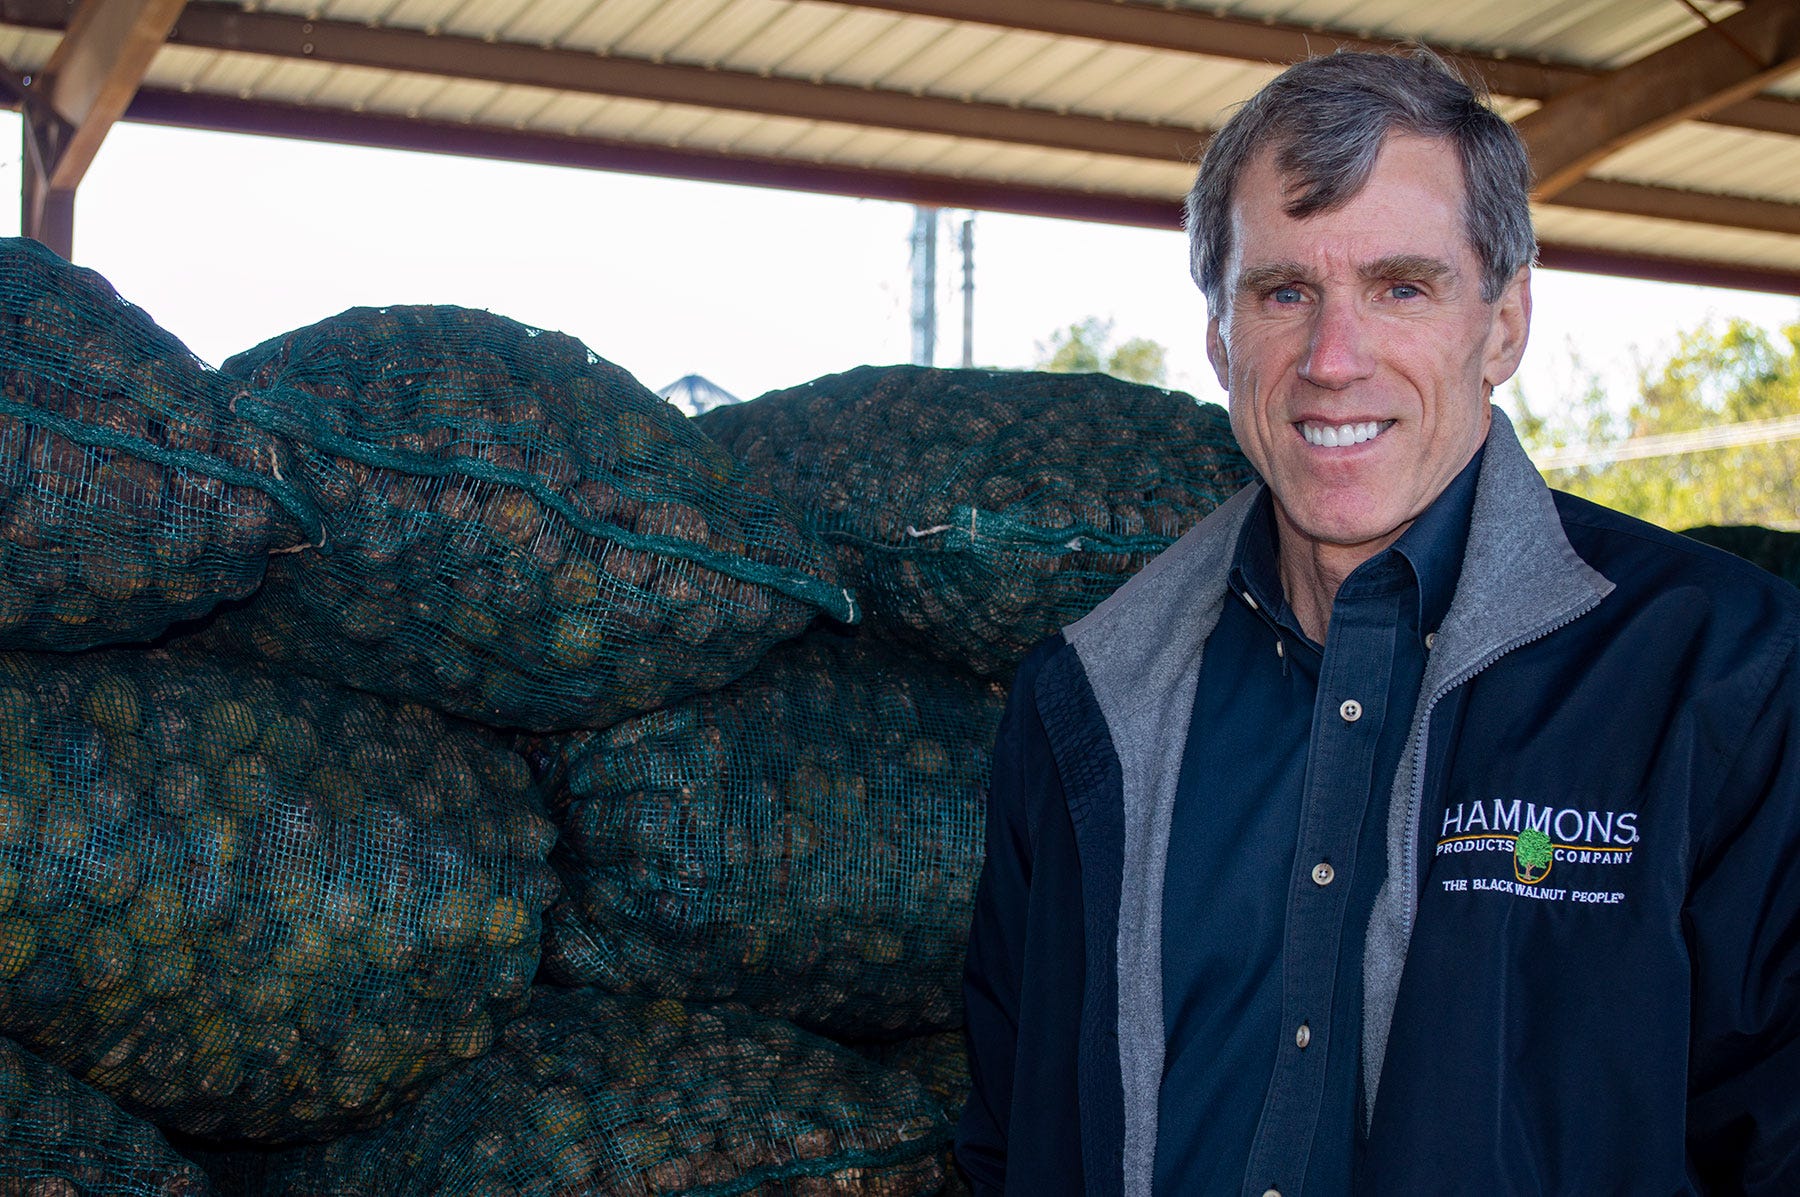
{"x":1356,"y":347}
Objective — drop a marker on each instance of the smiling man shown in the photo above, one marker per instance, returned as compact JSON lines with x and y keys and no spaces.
{"x":1407,"y":827}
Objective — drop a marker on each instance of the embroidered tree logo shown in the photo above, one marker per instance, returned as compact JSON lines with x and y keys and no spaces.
{"x":1531,"y":850}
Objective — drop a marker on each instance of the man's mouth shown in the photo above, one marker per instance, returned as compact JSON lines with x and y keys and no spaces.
{"x":1335,"y":436}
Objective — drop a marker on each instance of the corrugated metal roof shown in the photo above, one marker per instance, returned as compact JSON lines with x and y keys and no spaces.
{"x":991,"y":100}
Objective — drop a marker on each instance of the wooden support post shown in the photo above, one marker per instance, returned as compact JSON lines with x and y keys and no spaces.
{"x":68,"y":109}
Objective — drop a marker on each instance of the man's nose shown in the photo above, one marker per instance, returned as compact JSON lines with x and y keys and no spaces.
{"x":1339,"y":351}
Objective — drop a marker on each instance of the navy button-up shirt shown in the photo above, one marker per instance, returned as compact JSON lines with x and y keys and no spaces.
{"x":1276,"y":853}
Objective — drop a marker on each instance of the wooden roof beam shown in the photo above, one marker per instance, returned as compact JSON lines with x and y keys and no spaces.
{"x":218,"y":27}
{"x":1716,"y":66}
{"x":1670,"y":203}
{"x":94,"y":72}
{"x":228,"y":114}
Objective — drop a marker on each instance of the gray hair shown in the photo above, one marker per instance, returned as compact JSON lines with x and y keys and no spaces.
{"x":1326,"y":120}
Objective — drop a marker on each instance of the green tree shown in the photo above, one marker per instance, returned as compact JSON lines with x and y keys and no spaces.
{"x":1532,"y":850}
{"x":1086,"y":347}
{"x":1716,"y":376}
{"x":1139,"y":360}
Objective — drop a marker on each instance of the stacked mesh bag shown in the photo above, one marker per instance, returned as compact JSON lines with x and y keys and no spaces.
{"x":262,"y":909}
{"x":277,"y":896}
{"x":978,"y":511}
{"x":235,"y":902}
{"x":940,"y":1062}
{"x":805,"y":841}
{"x":597,"y":1094}
{"x":514,"y":530}
{"x":131,"y":497}
{"x":61,"y":1138}
{"x":250,"y":905}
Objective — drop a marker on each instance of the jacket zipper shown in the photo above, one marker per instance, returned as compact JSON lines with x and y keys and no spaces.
{"x":1410,"y":845}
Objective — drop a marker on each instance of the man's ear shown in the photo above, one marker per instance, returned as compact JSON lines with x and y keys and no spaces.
{"x":1215,"y":352}
{"x":1512,"y":326}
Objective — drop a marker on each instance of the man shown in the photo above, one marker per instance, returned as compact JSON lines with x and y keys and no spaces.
{"x":1406,"y":827}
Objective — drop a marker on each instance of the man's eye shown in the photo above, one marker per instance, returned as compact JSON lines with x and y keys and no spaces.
{"x":1286,"y":295}
{"x":1405,"y":291}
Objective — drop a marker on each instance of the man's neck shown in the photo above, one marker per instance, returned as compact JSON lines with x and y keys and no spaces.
{"x":1311,"y":572}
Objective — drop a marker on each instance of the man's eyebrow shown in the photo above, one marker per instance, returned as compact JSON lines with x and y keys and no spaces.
{"x":1410,"y":267}
{"x":1257,"y":279}
{"x":1421,"y":268}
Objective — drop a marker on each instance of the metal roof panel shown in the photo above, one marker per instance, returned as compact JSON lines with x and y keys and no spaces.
{"x":517,"y":107}
{"x":659,"y":33}
{"x":1707,"y":158}
{"x":544,"y":22}
{"x":716,"y":40}
{"x":608,"y":23}
{"x":814,"y":42}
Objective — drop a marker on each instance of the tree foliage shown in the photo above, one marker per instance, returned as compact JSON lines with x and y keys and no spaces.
{"x":1086,"y":347}
{"x":1532,"y":850}
{"x":1716,"y":376}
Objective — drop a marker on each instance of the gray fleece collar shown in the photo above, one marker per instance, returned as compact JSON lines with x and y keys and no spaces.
{"x":1141,"y":651}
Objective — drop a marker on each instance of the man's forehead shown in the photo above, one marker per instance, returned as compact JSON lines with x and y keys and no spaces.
{"x":1409,"y":204}
{"x":1282,"y":166}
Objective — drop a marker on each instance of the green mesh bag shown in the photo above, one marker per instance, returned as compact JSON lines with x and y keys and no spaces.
{"x":978,"y":511}
{"x":515,"y":530}
{"x":940,"y":1061}
{"x":596,"y":1094}
{"x":253,"y":906}
{"x":805,"y":841}
{"x":61,"y":1138}
{"x":941,"y":1064}
{"x":1776,"y":551}
{"x":130,"y":496}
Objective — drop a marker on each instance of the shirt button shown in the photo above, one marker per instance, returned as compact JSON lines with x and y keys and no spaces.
{"x":1351,"y":710}
{"x":1271,"y":1193}
{"x":1323,"y":874}
{"x":1430,"y":641}
{"x":1303,"y":1036}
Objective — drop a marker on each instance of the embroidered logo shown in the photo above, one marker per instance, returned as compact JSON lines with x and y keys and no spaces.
{"x":1539,"y":839}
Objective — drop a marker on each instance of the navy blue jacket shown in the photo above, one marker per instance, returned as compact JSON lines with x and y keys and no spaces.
{"x":1583,"y":972}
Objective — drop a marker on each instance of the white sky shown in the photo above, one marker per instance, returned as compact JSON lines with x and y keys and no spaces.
{"x":226,"y":240}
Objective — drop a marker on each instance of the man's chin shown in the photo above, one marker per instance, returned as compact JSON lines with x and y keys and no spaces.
{"x":1339,"y":532}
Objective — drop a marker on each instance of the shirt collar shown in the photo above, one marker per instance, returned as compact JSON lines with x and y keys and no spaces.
{"x":1432,"y":546}
{"x":1253,"y":571}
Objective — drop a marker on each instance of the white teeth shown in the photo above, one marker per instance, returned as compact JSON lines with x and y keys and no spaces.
{"x":1331,"y":436}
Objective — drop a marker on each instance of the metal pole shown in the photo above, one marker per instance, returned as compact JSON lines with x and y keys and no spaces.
{"x":968,"y":256}
{"x":924,"y":285}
